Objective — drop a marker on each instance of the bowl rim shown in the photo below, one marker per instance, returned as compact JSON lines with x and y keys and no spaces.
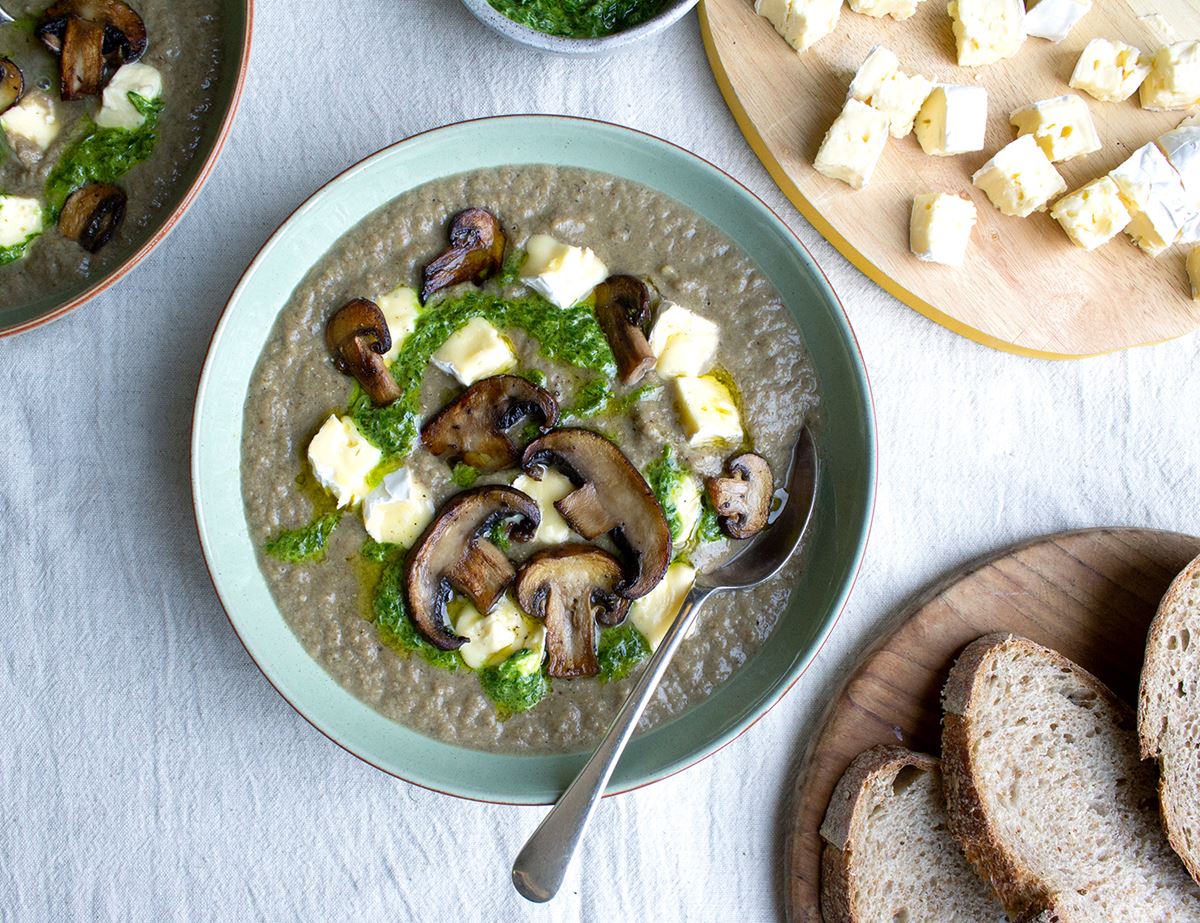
{"x":871,"y":461}
{"x":193,"y":191}
{"x":672,"y":11}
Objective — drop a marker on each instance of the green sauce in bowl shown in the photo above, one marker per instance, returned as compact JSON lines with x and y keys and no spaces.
{"x":579,"y":18}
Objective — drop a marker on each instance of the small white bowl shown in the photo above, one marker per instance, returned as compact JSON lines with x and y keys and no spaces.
{"x":671,"y":12}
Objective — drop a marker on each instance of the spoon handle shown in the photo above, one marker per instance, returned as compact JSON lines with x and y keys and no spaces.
{"x":541,"y":865}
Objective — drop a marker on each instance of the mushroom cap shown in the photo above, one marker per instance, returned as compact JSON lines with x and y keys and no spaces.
{"x":12,"y":84}
{"x":743,"y":500}
{"x":454,"y":554}
{"x":611,"y":496}
{"x":357,"y":335}
{"x":476,"y":252}
{"x":570,"y":588}
{"x":622,"y":308}
{"x":125,"y":32}
{"x":474,"y":426}
{"x":92,"y":215}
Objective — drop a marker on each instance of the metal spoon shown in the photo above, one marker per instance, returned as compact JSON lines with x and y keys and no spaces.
{"x":4,"y":17}
{"x":540,"y":867}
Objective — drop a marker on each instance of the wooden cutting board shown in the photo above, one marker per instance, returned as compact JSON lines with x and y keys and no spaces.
{"x":1025,"y":287}
{"x":1090,"y":595}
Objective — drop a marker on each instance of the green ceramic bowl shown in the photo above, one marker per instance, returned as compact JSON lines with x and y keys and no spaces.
{"x":845,"y":439}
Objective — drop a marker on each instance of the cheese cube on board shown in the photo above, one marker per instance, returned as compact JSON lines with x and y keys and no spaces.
{"x":20,"y":219}
{"x":1174,"y":81}
{"x":1062,"y":126}
{"x":1182,"y":147}
{"x":1155,"y":197}
{"x":1093,"y":214}
{"x":940,"y":228}
{"x":341,"y":459}
{"x":987,"y":31}
{"x":1193,"y":269}
{"x":33,"y":122}
{"x":897,"y":9}
{"x":1020,"y":179}
{"x":398,"y":510}
{"x":707,"y":411}
{"x":1054,"y":19}
{"x":853,"y":144}
{"x":802,"y":23}
{"x":1110,"y":71}
{"x":877,"y":66}
{"x":400,"y":308}
{"x":683,"y":342}
{"x":654,"y":613}
{"x":901,"y":97}
{"x":563,"y":274}
{"x":1190,"y":233}
{"x":952,"y":120}
{"x":475,"y":351}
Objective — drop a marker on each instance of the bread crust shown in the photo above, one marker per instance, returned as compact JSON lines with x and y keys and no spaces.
{"x":842,"y":817}
{"x":1023,"y":896}
{"x":1172,"y":613}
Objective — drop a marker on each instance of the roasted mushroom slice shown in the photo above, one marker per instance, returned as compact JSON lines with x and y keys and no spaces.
{"x":612,"y":497}
{"x":12,"y":84}
{"x":357,"y":335}
{"x":570,"y":588}
{"x":92,"y":215}
{"x":473,"y":428}
{"x":476,"y":252}
{"x":124,"y":31}
{"x":81,"y":67}
{"x":622,"y":309}
{"x":743,"y":500}
{"x":454,"y":554}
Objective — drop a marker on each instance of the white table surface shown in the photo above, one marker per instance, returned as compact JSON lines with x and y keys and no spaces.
{"x":147,"y":770}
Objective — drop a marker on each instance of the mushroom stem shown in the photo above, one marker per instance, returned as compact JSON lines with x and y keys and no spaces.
{"x":585,"y":509}
{"x":482,"y":574}
{"x":81,"y":68}
{"x":622,"y":307}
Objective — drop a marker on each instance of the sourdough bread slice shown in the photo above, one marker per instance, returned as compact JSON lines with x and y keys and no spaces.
{"x":1169,"y":712}
{"x":1046,"y":794}
{"x":888,"y":856}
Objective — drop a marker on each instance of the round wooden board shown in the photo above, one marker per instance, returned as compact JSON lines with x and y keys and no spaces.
{"x":1090,"y":595}
{"x":1025,"y":287}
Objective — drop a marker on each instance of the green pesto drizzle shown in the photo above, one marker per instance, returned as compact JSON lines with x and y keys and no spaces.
{"x":307,"y":543}
{"x":578,"y":18}
{"x":516,"y":685}
{"x":621,"y":649}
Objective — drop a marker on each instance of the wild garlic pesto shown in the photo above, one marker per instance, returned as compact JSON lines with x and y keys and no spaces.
{"x":349,"y":606}
{"x":579,"y":18}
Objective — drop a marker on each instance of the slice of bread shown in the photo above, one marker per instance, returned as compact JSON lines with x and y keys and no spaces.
{"x":1046,"y":794}
{"x":888,"y":856}
{"x":1169,"y":712}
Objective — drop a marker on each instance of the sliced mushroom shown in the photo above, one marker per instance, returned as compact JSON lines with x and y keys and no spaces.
{"x":570,"y":588}
{"x":743,"y":500}
{"x":92,"y":215}
{"x":12,"y":84}
{"x":473,"y":428}
{"x":454,"y":554}
{"x":124,"y":31}
{"x":81,"y":67}
{"x":611,"y":497}
{"x":623,"y":309}
{"x":357,"y":335}
{"x":476,"y":252}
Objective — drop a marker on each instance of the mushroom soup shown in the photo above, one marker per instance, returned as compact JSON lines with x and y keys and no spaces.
{"x":495,"y":434}
{"x":101,"y":105}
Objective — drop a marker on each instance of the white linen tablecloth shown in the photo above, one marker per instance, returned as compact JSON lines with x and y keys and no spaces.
{"x":147,"y":770}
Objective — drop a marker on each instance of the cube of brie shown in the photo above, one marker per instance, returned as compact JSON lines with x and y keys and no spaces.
{"x":341,"y":459}
{"x":495,"y":636}
{"x":654,"y":613}
{"x":1054,"y":19}
{"x":1020,"y":179}
{"x":1110,"y":71}
{"x":1093,"y":214}
{"x":987,"y":31}
{"x":952,"y":120}
{"x":940,"y":228}
{"x":398,"y":510}
{"x":117,"y":109}
{"x":853,"y":144}
{"x":707,"y":411}
{"x":1193,"y":270}
{"x":683,"y":342}
{"x":400,"y":308}
{"x":1174,"y":81}
{"x":897,"y":9}
{"x":1062,"y":126}
{"x":33,"y":122}
{"x":21,"y":219}
{"x":901,"y":97}
{"x":553,"y":529}
{"x":801,"y":22}
{"x":565,"y":275}
{"x":1182,"y":147}
{"x":877,"y":66}
{"x":476,"y":350}
{"x":1154,"y":195}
